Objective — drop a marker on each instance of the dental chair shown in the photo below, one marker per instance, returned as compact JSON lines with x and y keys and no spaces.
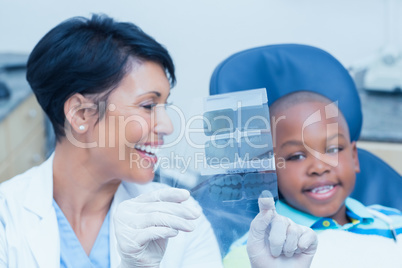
{"x":286,"y":68}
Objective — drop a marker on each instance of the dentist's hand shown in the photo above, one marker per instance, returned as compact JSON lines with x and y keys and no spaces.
{"x":275,"y":241}
{"x":144,"y":224}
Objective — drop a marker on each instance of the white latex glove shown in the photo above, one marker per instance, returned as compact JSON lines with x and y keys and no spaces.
{"x":276,"y":241}
{"x":144,"y":224}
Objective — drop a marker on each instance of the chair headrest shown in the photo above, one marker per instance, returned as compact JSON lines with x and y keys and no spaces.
{"x":286,"y":68}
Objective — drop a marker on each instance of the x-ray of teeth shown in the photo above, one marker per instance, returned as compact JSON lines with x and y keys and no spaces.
{"x":228,"y":150}
{"x":254,"y":117}
{"x":255,"y":183}
{"x":238,"y":127}
{"x":226,"y":187}
{"x":219,"y":122}
{"x":227,"y":120}
{"x":207,"y":150}
{"x":218,"y":129}
{"x":221,"y":151}
{"x":235,"y":187}
{"x":256,"y":147}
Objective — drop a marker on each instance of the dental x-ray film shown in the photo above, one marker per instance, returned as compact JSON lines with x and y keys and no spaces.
{"x":222,"y":151}
{"x":238,"y":150}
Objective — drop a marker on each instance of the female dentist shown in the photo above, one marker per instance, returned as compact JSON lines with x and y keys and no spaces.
{"x":104,"y":85}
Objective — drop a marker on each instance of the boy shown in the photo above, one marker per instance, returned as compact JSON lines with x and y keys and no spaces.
{"x":311,"y":138}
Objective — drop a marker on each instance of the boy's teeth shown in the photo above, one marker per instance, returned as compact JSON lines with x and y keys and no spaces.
{"x":322,"y":189}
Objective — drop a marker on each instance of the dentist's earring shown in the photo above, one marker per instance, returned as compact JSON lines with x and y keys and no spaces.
{"x":81,"y":127}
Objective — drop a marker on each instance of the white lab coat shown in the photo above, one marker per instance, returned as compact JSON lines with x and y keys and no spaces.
{"x":29,"y":235}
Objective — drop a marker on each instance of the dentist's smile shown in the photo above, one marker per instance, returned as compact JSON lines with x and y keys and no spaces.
{"x":148,"y":151}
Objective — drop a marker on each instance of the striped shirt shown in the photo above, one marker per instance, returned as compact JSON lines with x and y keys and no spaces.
{"x":371,"y":220}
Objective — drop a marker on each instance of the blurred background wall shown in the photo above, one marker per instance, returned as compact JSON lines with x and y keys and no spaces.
{"x":200,"y":34}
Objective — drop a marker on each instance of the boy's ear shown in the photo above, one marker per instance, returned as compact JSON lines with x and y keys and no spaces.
{"x":355,"y":157}
{"x":79,"y":112}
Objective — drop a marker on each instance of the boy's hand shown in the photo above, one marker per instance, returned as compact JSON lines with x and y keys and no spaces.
{"x":275,"y":241}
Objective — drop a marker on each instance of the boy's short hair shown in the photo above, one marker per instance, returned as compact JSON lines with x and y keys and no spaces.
{"x":88,"y":56}
{"x":297,"y":97}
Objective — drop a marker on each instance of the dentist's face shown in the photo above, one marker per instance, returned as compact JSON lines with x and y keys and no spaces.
{"x":134,"y":124}
{"x":320,"y":161}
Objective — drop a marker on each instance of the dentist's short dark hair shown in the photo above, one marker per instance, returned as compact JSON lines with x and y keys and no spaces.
{"x":88,"y":56}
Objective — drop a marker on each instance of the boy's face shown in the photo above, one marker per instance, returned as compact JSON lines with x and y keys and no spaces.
{"x":318,"y":160}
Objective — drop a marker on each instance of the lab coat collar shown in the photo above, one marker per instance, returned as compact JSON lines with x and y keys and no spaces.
{"x":45,"y":247}
{"x":42,"y":230}
{"x":41,"y":185}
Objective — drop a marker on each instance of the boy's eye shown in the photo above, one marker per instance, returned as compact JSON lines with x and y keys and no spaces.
{"x":295,"y":157}
{"x":334,"y":150}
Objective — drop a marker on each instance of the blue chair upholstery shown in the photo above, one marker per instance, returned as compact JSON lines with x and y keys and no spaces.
{"x":377,"y":182}
{"x":286,"y":68}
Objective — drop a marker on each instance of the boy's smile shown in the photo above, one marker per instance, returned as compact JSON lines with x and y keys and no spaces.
{"x":322,"y":191}
{"x":320,"y":160}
